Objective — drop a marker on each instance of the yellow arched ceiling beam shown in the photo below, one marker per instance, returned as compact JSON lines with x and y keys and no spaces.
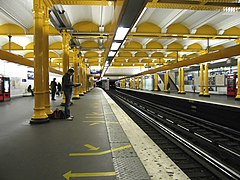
{"x":154,"y":45}
{"x":177,"y":29}
{"x":89,"y":44}
{"x":148,"y":27}
{"x":125,"y":54}
{"x":13,"y":46}
{"x":216,"y":48}
{"x":133,"y":61}
{"x":90,"y":54}
{"x":157,"y":54}
{"x":52,"y":30}
{"x":4,"y":55}
{"x":55,"y":46}
{"x":192,"y":55}
{"x":120,"y":60}
{"x":231,"y":31}
{"x":172,"y":55}
{"x":107,"y":28}
{"x":92,"y":60}
{"x":141,"y":54}
{"x":224,"y":53}
{"x":86,"y":26}
{"x":195,"y":46}
{"x":175,"y":45}
{"x":206,"y":29}
{"x":11,"y":29}
{"x":201,"y":5}
{"x":30,"y":46}
{"x":132,"y":45}
{"x":53,"y":55}
{"x":29,"y":55}
{"x":146,"y":61}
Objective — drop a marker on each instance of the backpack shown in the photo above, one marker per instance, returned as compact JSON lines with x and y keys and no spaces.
{"x":57,"y":114}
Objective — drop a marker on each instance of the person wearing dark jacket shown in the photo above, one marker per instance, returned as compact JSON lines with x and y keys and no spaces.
{"x":53,"y":88}
{"x":67,"y":84}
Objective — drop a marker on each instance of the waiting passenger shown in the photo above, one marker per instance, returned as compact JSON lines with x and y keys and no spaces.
{"x":29,"y":89}
{"x":67,"y":85}
{"x":53,"y":88}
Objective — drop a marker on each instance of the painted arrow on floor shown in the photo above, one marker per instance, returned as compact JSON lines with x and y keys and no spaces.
{"x":92,"y":148}
{"x":69,"y":174}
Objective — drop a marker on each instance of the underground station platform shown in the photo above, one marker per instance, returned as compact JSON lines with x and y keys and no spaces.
{"x":102,"y":142}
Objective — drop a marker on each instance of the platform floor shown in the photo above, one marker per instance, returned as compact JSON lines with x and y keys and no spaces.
{"x":101,"y":143}
{"x":213,"y":99}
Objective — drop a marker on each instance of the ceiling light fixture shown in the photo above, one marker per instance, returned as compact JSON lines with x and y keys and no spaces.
{"x":111,"y":53}
{"x":121,"y":33}
{"x":115,"y":46}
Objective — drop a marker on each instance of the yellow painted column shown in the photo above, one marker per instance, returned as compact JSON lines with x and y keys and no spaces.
{"x":238,"y":83}
{"x":142,"y":85}
{"x":206,"y":93}
{"x":81,"y":93}
{"x":124,"y":83}
{"x":75,"y":80}
{"x":138,"y":83}
{"x":166,"y":81}
{"x":179,"y":81}
{"x":130,"y":83}
{"x":156,"y":82}
{"x":201,"y":80}
{"x":86,"y":79}
{"x":45,"y":43}
{"x":39,"y":114}
{"x":65,"y":55}
{"x":182,"y":81}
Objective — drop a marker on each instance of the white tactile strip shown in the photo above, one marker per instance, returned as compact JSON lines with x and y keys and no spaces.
{"x":156,"y":162}
{"x":125,"y":161}
{"x":129,"y":168}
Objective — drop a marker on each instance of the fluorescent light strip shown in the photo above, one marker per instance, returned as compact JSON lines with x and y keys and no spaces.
{"x":115,"y":46}
{"x":111,"y":53}
{"x":121,"y":33}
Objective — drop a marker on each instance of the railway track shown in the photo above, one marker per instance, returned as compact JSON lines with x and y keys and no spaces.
{"x":203,"y":150}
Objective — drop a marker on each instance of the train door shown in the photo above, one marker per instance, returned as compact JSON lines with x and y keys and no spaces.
{"x":6,"y":88}
{"x":1,"y":89}
{"x":231,"y":84}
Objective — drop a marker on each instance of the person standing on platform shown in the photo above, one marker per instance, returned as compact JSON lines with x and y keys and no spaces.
{"x":67,"y":85}
{"x":53,"y":88}
{"x":59,"y":89}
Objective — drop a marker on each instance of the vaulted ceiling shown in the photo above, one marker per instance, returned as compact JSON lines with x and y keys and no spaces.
{"x":167,"y":32}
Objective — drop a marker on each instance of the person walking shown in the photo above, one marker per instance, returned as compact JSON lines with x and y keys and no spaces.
{"x":53,"y":88}
{"x":67,"y":84}
{"x":29,"y":89}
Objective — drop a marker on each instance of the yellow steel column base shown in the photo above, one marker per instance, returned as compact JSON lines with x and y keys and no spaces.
{"x":167,"y":91}
{"x":48,"y":110}
{"x":181,"y":92}
{"x":206,"y":95}
{"x":200,"y":94}
{"x":75,"y":97}
{"x":81,"y":94}
{"x":237,"y":98}
{"x":39,"y":116}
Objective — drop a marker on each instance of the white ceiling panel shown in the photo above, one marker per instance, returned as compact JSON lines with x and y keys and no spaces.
{"x":14,"y":7}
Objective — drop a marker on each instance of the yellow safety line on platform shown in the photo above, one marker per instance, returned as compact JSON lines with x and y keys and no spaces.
{"x":87,"y":117}
{"x":97,"y":113}
{"x":101,"y":153}
{"x":100,"y":122}
{"x":69,"y":174}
